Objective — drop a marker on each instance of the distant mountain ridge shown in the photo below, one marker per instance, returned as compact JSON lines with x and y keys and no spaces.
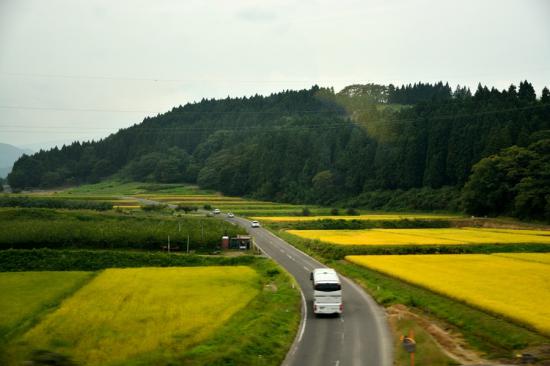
{"x":9,"y":155}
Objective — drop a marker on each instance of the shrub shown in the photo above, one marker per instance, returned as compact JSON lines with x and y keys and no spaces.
{"x":334,"y":212}
{"x":352,"y":212}
{"x":154,"y":207}
{"x":186,"y":208}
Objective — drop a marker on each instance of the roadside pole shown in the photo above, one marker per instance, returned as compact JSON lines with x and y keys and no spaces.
{"x":409,"y":344}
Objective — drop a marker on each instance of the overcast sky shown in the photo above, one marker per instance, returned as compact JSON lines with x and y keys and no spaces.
{"x":81,"y":69}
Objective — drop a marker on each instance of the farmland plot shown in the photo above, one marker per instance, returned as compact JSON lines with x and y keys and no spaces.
{"x":145,"y":314}
{"x":368,"y":217}
{"x":515,"y":287}
{"x":462,"y":236}
{"x":24,"y":294}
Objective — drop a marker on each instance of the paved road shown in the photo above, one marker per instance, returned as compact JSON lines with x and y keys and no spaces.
{"x":359,"y":337}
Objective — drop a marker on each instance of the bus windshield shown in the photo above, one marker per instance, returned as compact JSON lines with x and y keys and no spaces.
{"x":327,"y":287}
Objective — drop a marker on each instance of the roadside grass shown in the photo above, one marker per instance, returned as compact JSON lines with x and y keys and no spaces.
{"x":265,"y":331}
{"x":23,"y":228}
{"x":27,"y":295}
{"x":127,"y":318}
{"x":428,"y":351}
{"x":496,"y":337}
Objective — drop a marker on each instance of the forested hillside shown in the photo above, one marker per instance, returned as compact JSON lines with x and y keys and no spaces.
{"x":313,"y":145}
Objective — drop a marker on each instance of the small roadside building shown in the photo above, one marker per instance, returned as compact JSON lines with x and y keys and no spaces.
{"x":242,"y":242}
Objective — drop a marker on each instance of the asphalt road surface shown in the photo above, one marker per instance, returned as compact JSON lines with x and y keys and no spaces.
{"x":360,"y":336}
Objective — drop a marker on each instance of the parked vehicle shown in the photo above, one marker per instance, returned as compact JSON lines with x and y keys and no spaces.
{"x":327,"y":291}
{"x":230,"y":215}
{"x":216,"y":211}
{"x":255,"y":224}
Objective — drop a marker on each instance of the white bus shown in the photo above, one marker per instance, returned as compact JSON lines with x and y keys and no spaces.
{"x":327,"y":291}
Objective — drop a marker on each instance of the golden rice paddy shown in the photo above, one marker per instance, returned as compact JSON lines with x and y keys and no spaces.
{"x":455,"y":236}
{"x":124,"y":314}
{"x":516,"y":287}
{"x":530,"y":257}
{"x":357,"y":217}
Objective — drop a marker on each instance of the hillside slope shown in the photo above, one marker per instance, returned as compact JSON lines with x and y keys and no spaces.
{"x":310,"y":145}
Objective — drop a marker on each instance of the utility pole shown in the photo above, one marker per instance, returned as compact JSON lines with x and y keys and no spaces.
{"x":187,"y":243}
{"x":168,"y":244}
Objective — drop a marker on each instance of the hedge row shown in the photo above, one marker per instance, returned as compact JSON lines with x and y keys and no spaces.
{"x":28,"y":202}
{"x":92,"y":260}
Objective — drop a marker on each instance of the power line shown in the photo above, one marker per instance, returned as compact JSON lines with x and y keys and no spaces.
{"x":156,"y":80}
{"x":269,"y":128}
{"x":352,"y":80}
{"x":177,"y":112}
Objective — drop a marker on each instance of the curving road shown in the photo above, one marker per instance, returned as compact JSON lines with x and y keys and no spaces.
{"x":359,"y":337}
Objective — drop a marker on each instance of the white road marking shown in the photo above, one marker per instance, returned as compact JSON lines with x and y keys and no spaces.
{"x":337,"y":363}
{"x":305,"y":317}
{"x":307,"y":269}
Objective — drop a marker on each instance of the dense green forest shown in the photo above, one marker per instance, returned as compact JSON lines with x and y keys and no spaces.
{"x":320,"y":146}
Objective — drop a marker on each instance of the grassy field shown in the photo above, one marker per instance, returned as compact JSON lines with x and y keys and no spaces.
{"x":369,"y":217}
{"x":496,"y":284}
{"x":455,"y":236}
{"x":36,"y":228}
{"x":25,"y":295}
{"x":130,"y":313}
{"x":237,"y":205}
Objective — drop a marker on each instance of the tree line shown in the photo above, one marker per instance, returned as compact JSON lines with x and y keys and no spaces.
{"x":311,"y":145}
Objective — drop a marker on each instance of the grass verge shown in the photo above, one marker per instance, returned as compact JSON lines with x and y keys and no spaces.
{"x":265,"y":330}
